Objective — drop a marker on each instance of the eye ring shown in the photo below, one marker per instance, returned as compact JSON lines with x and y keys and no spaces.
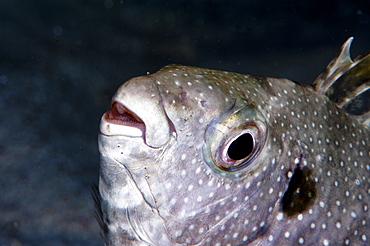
{"x":222,"y":137}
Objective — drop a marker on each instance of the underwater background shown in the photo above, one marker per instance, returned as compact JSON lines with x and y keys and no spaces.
{"x":61,"y":62}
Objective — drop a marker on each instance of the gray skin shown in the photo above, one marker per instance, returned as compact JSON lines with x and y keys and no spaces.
{"x":170,"y":174}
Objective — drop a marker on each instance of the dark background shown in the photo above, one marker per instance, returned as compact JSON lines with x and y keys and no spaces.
{"x":61,"y":62}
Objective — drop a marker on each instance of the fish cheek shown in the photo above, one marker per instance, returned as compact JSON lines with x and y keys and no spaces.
{"x":301,"y":192}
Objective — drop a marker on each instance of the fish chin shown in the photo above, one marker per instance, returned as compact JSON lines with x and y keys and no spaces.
{"x":129,"y":208}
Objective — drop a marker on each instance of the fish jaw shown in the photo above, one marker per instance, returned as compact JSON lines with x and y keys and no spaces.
{"x":129,"y":209}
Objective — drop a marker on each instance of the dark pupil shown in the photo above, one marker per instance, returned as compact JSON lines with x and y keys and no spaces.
{"x":241,"y":147}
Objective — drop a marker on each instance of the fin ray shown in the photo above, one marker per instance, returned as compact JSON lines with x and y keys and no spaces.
{"x":347,"y":83}
{"x":341,"y":63}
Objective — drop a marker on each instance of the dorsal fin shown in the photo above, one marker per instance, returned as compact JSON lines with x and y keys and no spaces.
{"x":347,"y":83}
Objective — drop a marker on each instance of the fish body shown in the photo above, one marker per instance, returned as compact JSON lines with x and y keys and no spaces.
{"x":193,"y":156}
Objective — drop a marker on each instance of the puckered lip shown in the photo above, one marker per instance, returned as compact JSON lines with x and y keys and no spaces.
{"x":121,"y":115}
{"x":119,"y":120}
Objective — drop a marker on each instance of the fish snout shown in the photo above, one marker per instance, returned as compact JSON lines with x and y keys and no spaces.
{"x":137,"y":111}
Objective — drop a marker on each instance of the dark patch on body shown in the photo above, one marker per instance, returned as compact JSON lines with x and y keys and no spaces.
{"x":301,"y":192}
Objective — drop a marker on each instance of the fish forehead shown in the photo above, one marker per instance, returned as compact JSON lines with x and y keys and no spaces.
{"x":189,"y":89}
{"x":305,"y":129}
{"x":194,"y":97}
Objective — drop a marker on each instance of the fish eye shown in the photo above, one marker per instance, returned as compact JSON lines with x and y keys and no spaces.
{"x":241,"y":147}
{"x":234,"y":143}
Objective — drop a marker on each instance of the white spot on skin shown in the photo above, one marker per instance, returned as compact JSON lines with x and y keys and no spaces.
{"x":280,"y":216}
{"x":198,"y":170}
{"x":271,"y":238}
{"x":338,"y":225}
{"x":300,"y":217}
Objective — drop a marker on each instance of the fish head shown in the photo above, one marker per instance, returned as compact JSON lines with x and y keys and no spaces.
{"x":193,"y":156}
{"x":188,"y":150}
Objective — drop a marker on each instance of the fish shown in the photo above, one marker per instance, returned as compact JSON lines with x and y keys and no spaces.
{"x":195,"y":156}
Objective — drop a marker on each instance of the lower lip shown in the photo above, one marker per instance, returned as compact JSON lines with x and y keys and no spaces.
{"x":111,"y":129}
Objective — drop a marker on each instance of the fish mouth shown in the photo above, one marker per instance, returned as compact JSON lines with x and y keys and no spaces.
{"x":138,"y":110}
{"x":119,"y":120}
{"x":121,"y":115}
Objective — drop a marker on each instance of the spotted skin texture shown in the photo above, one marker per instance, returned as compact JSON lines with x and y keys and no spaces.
{"x":306,"y":183}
